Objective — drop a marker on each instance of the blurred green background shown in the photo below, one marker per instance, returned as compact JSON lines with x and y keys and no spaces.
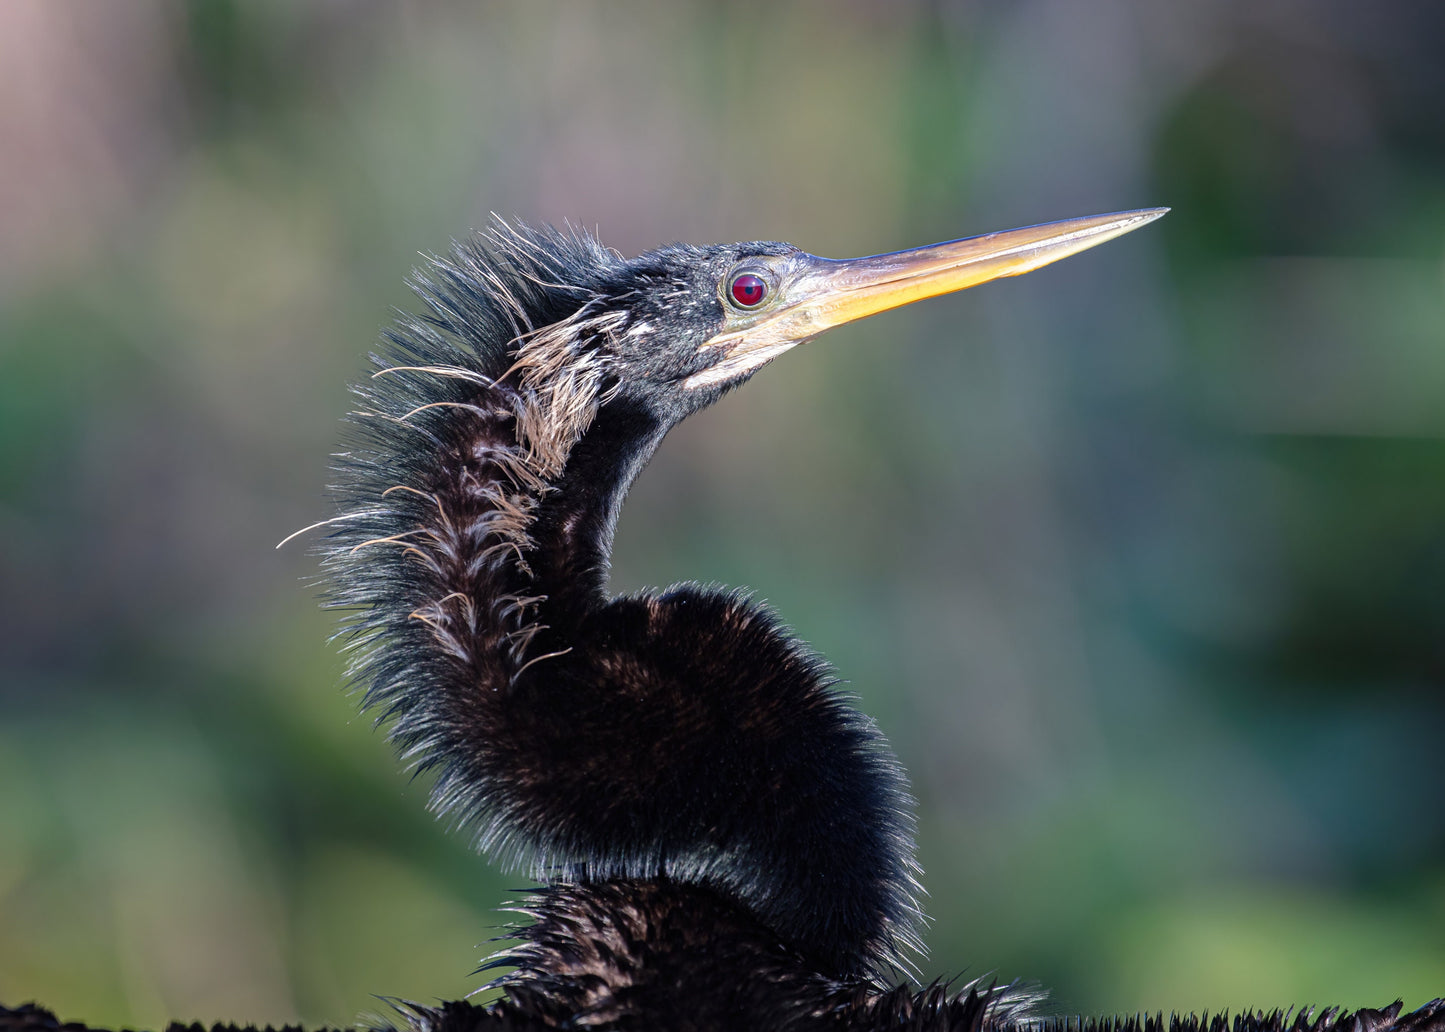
{"x":1139,"y":560}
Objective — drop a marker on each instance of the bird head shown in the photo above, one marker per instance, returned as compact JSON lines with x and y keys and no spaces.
{"x":693,"y":322}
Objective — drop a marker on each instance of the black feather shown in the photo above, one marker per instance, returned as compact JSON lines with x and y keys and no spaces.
{"x":682,"y":734}
{"x":935,"y":1009}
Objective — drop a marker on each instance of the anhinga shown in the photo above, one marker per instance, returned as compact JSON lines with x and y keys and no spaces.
{"x":722,"y":841}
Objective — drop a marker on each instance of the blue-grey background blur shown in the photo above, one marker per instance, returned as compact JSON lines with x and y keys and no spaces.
{"x":1138,"y":560}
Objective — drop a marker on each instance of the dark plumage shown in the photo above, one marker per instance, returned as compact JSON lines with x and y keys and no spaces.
{"x":680,"y":734}
{"x":722,"y":841}
{"x":932,"y":1010}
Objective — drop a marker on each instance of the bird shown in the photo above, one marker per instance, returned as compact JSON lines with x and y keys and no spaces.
{"x":667,"y":763}
{"x":719,"y":838}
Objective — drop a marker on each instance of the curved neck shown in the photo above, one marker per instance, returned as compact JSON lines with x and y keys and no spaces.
{"x":572,"y":533}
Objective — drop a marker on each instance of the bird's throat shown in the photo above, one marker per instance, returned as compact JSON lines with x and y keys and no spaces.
{"x":573,"y":530}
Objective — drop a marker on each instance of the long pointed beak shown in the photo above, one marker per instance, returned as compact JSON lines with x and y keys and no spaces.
{"x":816,"y":294}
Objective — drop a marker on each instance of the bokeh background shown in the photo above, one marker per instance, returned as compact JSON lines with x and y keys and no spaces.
{"x":1139,"y":560}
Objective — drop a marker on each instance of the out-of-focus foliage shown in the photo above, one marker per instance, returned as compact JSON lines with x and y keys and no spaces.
{"x":1139,"y":560}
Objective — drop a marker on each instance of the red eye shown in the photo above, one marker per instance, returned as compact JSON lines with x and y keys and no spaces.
{"x":748,"y":290}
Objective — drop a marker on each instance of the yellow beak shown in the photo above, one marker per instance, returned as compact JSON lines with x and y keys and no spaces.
{"x":815,"y":294}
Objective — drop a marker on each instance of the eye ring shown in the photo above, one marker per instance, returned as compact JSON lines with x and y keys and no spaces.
{"x":747,"y":290}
